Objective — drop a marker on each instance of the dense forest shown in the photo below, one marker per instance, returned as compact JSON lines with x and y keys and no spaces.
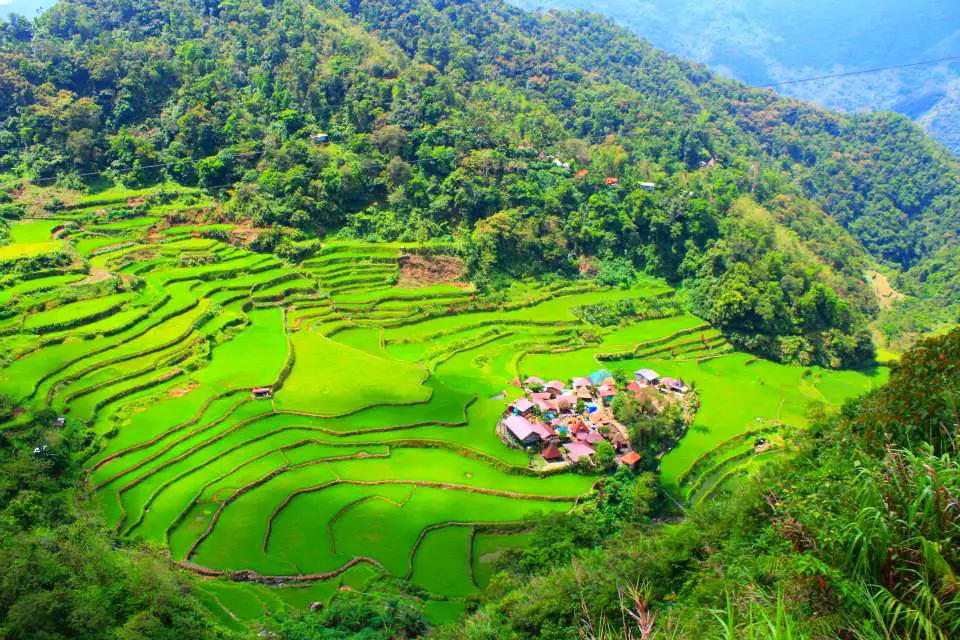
{"x":522,"y":138}
{"x":766,"y":41}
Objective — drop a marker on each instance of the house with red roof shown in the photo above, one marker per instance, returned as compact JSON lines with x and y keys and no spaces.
{"x":552,"y":453}
{"x":607,"y":393}
{"x":593,"y":437}
{"x":545,"y":432}
{"x":523,"y":430}
{"x":528,"y":433}
{"x":630,"y":458}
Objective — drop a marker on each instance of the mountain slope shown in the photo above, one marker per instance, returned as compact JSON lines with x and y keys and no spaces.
{"x":523,"y":137}
{"x":764,"y":41}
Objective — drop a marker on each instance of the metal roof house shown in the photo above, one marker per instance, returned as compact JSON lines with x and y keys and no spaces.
{"x":647,"y":376}
{"x":526,"y":432}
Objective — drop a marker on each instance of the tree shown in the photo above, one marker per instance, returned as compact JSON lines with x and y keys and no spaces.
{"x":397,"y":172}
{"x":389,"y":139}
{"x":605,"y":455}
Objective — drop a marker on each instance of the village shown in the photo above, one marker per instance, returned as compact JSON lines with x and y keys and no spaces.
{"x":563,"y":424}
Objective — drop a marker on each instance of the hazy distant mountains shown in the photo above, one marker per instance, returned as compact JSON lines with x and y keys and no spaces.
{"x":762,"y":41}
{"x":27,"y":8}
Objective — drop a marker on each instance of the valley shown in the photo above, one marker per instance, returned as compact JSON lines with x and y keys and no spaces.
{"x":376,"y":403}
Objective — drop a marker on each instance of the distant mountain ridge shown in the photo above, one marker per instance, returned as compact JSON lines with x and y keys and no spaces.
{"x":25,"y":8}
{"x":765,"y":41}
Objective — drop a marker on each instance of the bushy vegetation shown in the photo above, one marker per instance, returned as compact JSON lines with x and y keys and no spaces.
{"x":386,"y":610}
{"x":62,"y":572}
{"x":525,"y":138}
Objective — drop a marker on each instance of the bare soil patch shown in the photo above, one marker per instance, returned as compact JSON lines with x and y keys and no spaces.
{"x":422,"y":271}
{"x":245,"y":235}
{"x":886,"y":294}
{"x":490,"y":556}
{"x":40,"y":202}
{"x":182,"y":391}
{"x":96,"y":275}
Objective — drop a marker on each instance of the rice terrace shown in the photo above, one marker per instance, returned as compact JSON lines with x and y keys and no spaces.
{"x":290,"y":428}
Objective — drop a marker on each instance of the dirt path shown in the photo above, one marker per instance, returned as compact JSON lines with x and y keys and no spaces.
{"x":96,"y":275}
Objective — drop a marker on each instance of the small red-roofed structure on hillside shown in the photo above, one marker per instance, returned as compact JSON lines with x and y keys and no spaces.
{"x":552,"y":452}
{"x":631,"y":459}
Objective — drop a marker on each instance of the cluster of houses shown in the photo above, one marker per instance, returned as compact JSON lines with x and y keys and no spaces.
{"x":565,"y":422}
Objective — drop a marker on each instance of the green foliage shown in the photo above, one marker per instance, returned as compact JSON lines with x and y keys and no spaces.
{"x":612,"y":312}
{"x":762,"y":41}
{"x":651,"y":432}
{"x":41,"y":262}
{"x":775,"y":303}
{"x":855,"y":538}
{"x":605,"y":455}
{"x":453,"y":131}
{"x":62,"y":575}
{"x":386,"y":610}
{"x":921,"y":404}
{"x":616,"y":272}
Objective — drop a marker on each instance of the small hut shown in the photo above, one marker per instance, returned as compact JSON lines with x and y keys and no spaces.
{"x":552,"y":452}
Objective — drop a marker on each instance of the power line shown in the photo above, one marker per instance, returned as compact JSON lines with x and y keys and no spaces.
{"x":855,"y":73}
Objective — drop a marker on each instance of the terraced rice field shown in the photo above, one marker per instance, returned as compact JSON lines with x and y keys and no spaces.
{"x":377,"y":451}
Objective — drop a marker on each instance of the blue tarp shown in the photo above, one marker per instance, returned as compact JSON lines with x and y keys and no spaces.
{"x":599,"y":376}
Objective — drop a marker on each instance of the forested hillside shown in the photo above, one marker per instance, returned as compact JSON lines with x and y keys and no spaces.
{"x":765,"y":41}
{"x":523,"y":138}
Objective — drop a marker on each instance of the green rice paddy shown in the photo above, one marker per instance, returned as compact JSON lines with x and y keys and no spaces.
{"x":377,"y":451}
